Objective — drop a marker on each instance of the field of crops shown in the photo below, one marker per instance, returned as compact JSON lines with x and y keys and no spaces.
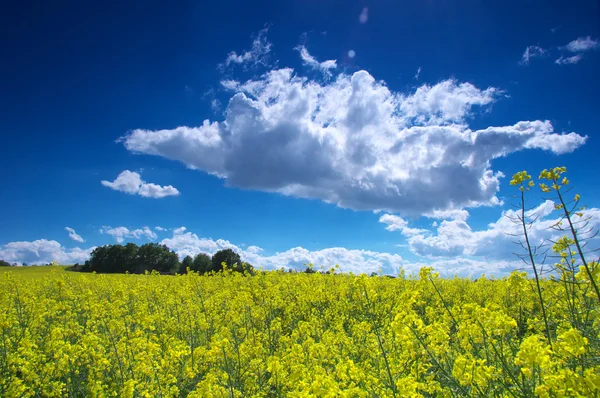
{"x":279,"y":334}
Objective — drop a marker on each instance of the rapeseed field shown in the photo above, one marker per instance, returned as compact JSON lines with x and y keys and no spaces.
{"x":276,"y":334}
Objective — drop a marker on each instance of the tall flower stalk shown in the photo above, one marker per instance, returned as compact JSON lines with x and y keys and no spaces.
{"x":524,"y":182}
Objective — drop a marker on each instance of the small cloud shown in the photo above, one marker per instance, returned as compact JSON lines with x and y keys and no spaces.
{"x":215,"y":105}
{"x":188,"y":89}
{"x":582,"y":44}
{"x":312,"y":62}
{"x":569,"y":60}
{"x":73,"y":235}
{"x":364,"y":15}
{"x":418,"y":73}
{"x":120,"y":233}
{"x":132,"y":183}
{"x":232,"y":85}
{"x":555,"y":29}
{"x":396,"y":223}
{"x":254,"y":249}
{"x":179,"y":231}
{"x":161,"y":229}
{"x":532,"y":52}
{"x":257,"y":55}
{"x":351,"y":53}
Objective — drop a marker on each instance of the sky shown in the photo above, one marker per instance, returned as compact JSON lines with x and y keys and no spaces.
{"x":376,"y":135}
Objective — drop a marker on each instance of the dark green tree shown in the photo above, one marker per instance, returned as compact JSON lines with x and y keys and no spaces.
{"x":132,"y":258}
{"x":4,"y":263}
{"x":227,"y":256}
{"x":202,"y":263}
{"x":153,"y":256}
{"x":187,"y":262}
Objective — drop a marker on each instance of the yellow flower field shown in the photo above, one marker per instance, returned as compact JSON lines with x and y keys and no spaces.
{"x":279,"y":334}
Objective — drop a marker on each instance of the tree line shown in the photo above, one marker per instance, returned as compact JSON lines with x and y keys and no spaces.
{"x":134,"y":259}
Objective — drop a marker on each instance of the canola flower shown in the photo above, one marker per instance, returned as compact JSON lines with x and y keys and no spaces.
{"x":277,"y":334}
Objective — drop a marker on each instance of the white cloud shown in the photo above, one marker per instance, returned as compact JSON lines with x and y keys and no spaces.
{"x":179,"y":230}
{"x":161,"y":229}
{"x":418,"y":73}
{"x":73,"y":235}
{"x":455,"y":214}
{"x":254,"y":249}
{"x":132,"y":183}
{"x":355,"y":143}
{"x":569,"y":60}
{"x":443,"y":103}
{"x":396,"y":223}
{"x":231,"y":85}
{"x":42,"y":251}
{"x":355,"y":261}
{"x":364,"y":15}
{"x":582,"y":44}
{"x":122,"y":233}
{"x":532,"y":52}
{"x":325,"y":67}
{"x":455,"y":238}
{"x":257,"y":55}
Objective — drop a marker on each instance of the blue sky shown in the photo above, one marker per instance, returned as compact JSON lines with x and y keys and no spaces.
{"x":373,"y":134}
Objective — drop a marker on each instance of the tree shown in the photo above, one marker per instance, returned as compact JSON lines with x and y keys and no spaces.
{"x":228,"y":257}
{"x":187,"y":262}
{"x":4,"y":263}
{"x":132,"y":258}
{"x":153,"y":256}
{"x":202,"y":263}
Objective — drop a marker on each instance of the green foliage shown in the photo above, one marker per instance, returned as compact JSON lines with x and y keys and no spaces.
{"x":4,"y":263}
{"x":187,"y":262}
{"x":132,"y":258}
{"x":202,"y":263}
{"x":227,"y":256}
{"x":153,"y":256}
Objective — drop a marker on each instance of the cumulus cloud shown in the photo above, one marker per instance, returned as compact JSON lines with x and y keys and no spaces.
{"x":73,"y":235}
{"x":532,"y":52}
{"x":582,"y":44}
{"x":159,"y":228}
{"x":42,"y":251}
{"x":456,"y":238}
{"x":325,"y":67}
{"x":355,"y":143}
{"x":132,"y":183}
{"x":396,"y":223}
{"x":122,"y":233}
{"x":257,"y":55}
{"x":569,"y":60}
